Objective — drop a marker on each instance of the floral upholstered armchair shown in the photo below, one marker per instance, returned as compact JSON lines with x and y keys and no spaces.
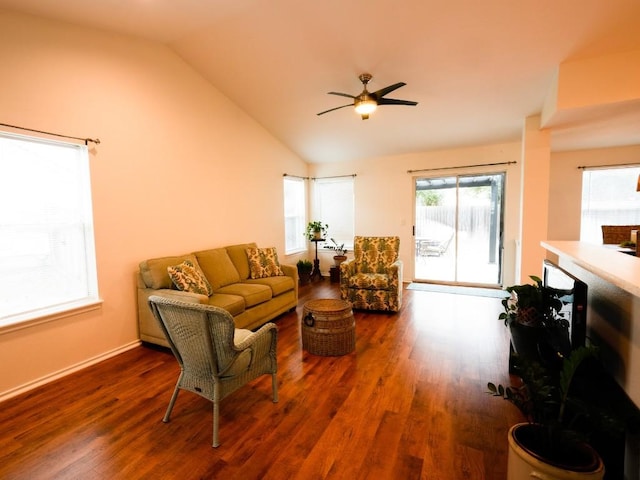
{"x":372,"y":280}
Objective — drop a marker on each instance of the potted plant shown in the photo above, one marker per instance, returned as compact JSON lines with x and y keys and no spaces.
{"x":537,"y":326}
{"x":341,"y":252}
{"x":304,"y":271}
{"x":316,"y":230}
{"x":553,"y":441}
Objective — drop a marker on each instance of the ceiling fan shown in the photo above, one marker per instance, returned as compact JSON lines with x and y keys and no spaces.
{"x":367,"y":102}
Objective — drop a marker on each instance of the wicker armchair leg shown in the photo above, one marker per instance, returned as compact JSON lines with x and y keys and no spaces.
{"x":174,"y":396}
{"x":216,"y":413}
{"x":274,"y":387}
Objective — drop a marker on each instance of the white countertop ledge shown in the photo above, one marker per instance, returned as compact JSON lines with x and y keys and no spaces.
{"x":617,"y":268}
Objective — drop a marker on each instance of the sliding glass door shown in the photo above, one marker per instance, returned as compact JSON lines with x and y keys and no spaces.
{"x":458,"y":229}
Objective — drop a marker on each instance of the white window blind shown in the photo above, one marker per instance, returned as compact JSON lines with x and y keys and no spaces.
{"x":334,"y":204}
{"x":294,"y":214}
{"x":47,"y":255}
{"x":609,"y":197}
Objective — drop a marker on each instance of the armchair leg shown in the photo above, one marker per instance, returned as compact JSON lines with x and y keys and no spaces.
{"x":216,"y":413}
{"x":274,"y":387}
{"x":174,"y":396}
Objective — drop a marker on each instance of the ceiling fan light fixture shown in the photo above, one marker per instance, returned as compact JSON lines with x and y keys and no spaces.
{"x":366,"y":103}
{"x":366,"y":107}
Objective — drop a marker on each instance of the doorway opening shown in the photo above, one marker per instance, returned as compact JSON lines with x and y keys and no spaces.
{"x":458,"y":229}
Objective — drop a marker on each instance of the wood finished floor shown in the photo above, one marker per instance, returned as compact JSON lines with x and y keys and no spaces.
{"x":409,"y":403}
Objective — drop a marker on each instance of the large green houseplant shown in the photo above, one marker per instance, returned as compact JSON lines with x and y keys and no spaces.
{"x":559,"y":419}
{"x":536,"y":323}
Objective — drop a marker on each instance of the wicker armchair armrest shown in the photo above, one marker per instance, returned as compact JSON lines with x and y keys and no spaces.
{"x":182,"y":296}
{"x":264,"y":335}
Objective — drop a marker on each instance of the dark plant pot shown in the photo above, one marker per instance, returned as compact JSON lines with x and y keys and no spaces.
{"x":304,"y":278}
{"x":530,"y":441}
{"x":538,"y":344}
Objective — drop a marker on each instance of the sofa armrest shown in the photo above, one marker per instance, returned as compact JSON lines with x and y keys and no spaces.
{"x":291,"y":271}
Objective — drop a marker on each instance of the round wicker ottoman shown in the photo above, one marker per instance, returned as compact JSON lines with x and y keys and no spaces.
{"x":328,"y":327}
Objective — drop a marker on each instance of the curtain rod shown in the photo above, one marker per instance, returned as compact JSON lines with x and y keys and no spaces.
{"x":617,"y":165}
{"x":85,"y":140}
{"x":461,"y":166}
{"x":295,"y":176}
{"x":335,"y":176}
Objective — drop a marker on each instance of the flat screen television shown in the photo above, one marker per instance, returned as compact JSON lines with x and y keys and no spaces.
{"x":574,"y":298}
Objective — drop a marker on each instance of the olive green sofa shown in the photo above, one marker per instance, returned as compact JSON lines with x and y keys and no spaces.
{"x":251,"y":301}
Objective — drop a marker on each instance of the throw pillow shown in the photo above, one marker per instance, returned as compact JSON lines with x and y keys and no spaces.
{"x":263,"y":262}
{"x":189,"y":278}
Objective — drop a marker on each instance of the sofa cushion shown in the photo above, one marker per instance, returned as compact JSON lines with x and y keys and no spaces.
{"x":238,"y":255}
{"x":278,"y":285}
{"x":154,"y":271}
{"x":217,"y":267}
{"x":253,"y":294}
{"x":263,"y":262}
{"x":188,"y":277}
{"x":234,"y":304}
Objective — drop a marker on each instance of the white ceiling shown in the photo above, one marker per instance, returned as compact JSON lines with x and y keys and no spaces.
{"x":477,"y":68}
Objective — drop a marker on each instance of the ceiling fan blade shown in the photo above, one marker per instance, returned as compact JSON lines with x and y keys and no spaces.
{"x":341,"y":94}
{"x":392,"y":101}
{"x":336,"y":108}
{"x":383,"y":91}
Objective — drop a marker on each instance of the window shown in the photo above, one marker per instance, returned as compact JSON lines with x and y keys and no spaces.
{"x":334,"y":205}
{"x":47,"y":257}
{"x":609,"y":197}
{"x":294,"y":215}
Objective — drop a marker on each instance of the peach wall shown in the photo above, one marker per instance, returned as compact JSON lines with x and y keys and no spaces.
{"x":384,"y":192}
{"x":534,"y":213}
{"x":179,"y":168}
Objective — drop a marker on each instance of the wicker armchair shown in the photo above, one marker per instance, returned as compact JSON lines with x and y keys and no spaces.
{"x":215,"y":358}
{"x":616,"y":234}
{"x":372,"y":280}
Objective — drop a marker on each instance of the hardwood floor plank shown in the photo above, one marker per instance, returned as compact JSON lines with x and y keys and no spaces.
{"x":409,"y":403}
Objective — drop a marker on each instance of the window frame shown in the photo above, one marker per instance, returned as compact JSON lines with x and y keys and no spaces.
{"x":47,"y":219}
{"x":298,"y":206}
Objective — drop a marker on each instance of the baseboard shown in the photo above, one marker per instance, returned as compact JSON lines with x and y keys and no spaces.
{"x":66,"y":371}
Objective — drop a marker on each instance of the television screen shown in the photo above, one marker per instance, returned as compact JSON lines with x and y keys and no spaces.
{"x":574,"y":300}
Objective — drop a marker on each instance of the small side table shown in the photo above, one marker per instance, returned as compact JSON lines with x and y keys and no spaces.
{"x":328,"y":327}
{"x":316,"y":262}
{"x":334,"y":274}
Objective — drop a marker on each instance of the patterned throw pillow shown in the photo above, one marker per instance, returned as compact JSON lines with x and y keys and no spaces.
{"x":263,"y":262}
{"x":189,"y":278}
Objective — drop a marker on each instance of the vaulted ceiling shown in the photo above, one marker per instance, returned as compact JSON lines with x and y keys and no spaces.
{"x":477,"y":68}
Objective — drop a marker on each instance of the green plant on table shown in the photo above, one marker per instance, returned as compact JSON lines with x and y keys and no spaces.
{"x":338,"y":248}
{"x":316,"y":230}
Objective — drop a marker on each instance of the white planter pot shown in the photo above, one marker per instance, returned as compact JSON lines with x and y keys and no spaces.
{"x":522,"y":465}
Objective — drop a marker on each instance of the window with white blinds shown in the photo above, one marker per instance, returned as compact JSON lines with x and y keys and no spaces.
{"x":609,"y":197}
{"x":295,"y":206}
{"x":334,"y":204}
{"x":47,"y":253}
